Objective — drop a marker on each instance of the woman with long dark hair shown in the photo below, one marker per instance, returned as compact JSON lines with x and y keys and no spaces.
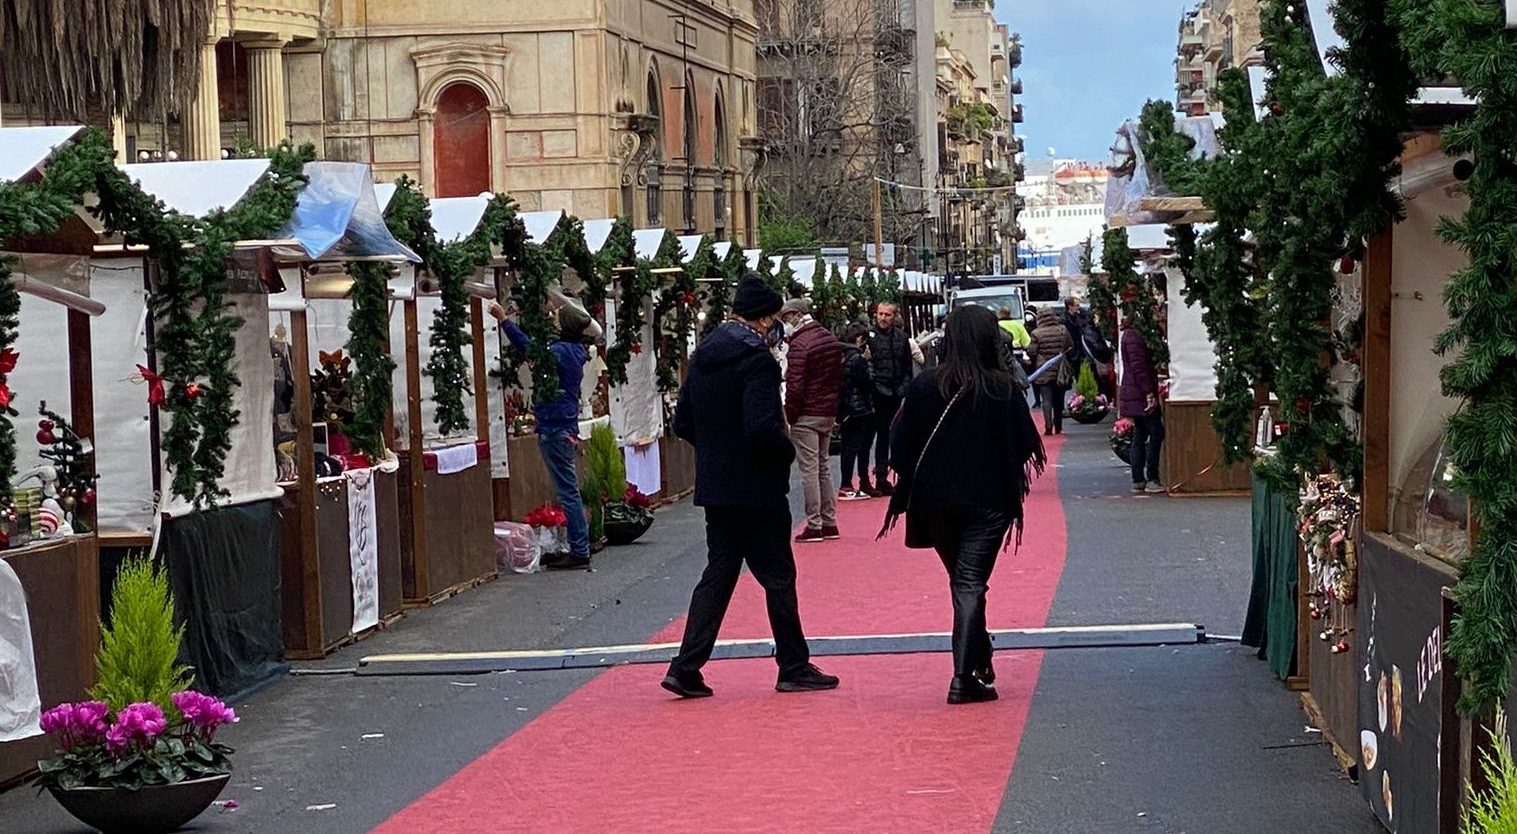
{"x":968,"y":450}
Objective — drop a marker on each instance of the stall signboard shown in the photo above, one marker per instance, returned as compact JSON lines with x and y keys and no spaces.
{"x":1400,"y":637}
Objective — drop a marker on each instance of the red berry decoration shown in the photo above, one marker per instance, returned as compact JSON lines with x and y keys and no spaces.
{"x":88,"y":497}
{"x":637,"y":349}
{"x":1347,"y":265}
{"x":45,"y":425}
{"x":46,"y":438}
{"x":192,"y":391}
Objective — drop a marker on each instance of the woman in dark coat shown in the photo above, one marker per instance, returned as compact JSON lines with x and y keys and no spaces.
{"x":1050,"y":340}
{"x":1138,"y":400}
{"x":968,"y":450}
{"x":856,"y":412}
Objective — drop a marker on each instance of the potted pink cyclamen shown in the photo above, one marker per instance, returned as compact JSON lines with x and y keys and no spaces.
{"x":138,"y":770}
{"x":142,"y":757}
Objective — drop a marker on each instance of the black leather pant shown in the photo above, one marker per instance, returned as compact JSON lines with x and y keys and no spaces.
{"x":761,"y":538}
{"x":968,"y":540}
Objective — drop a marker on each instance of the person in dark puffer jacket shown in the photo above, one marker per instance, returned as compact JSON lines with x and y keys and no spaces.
{"x":856,"y":411}
{"x":890,"y":358}
{"x":813,"y":381}
{"x":729,"y":410}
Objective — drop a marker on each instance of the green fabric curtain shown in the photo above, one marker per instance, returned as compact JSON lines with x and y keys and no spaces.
{"x":1271,"y":621}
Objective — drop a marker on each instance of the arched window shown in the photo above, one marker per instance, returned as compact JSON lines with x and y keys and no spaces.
{"x":655,"y":159}
{"x":461,"y":137}
{"x":691,"y":136}
{"x":719,"y":157}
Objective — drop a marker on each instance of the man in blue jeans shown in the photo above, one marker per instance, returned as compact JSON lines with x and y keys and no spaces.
{"x":558,"y":422}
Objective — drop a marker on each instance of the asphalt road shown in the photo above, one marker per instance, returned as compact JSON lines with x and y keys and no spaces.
{"x":1174,"y":739}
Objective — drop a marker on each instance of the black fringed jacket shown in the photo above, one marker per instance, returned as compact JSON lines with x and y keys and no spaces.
{"x":985,"y":454}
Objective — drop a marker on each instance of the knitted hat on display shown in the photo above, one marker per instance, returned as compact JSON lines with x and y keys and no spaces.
{"x":755,"y":299}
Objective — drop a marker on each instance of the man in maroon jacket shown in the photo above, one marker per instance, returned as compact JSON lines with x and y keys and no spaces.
{"x":813,"y":383}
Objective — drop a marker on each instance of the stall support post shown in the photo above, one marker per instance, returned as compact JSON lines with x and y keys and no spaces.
{"x":304,"y":641}
{"x":421,"y":590}
{"x":82,"y":396}
{"x":1377,"y":382}
{"x":481,"y":378}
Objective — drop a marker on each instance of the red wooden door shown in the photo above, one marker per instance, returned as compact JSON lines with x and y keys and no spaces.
{"x":461,"y":136}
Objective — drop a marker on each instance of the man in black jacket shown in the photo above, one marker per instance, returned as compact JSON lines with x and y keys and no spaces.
{"x":890,"y":355}
{"x":730,"y":410}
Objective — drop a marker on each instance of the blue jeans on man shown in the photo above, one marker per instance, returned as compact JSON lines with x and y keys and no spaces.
{"x":559,"y":450}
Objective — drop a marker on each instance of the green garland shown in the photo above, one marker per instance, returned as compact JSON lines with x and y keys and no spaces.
{"x":619,"y":253}
{"x":1103,"y":300}
{"x":368,"y":343}
{"x":719,"y":295}
{"x":829,"y":300}
{"x":1135,"y":296}
{"x":637,"y":286}
{"x":1468,"y":41}
{"x":576,"y":254}
{"x":674,"y":315}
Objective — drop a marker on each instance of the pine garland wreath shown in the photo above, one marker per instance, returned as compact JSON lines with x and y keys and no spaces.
{"x":674,"y":314}
{"x":576,"y":254}
{"x":369,"y":345}
{"x":1468,"y":41}
{"x":636,"y":287}
{"x":617,"y":262}
{"x":1168,"y":150}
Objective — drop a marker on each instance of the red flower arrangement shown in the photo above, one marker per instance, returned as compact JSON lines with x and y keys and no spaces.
{"x":633,"y":498}
{"x":548,"y":515}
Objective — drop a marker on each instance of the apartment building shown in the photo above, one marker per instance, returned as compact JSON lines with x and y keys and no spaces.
{"x":1213,"y":36}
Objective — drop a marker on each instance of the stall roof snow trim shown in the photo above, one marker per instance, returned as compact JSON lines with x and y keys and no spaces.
{"x":23,"y":150}
{"x":541,"y":224}
{"x":722,"y":249}
{"x":455,"y":218}
{"x":597,"y":232}
{"x":196,"y":189}
{"x":687,"y":246}
{"x":752,"y":257}
{"x":384,"y":192}
{"x":645,"y":242}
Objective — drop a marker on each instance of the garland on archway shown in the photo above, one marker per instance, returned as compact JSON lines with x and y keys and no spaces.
{"x":719,"y":295}
{"x":1469,"y":42}
{"x":617,"y":264}
{"x":674,"y":315}
{"x":373,"y":382}
{"x":636,"y":287}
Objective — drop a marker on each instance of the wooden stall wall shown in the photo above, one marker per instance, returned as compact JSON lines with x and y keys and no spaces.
{"x":529,"y":486}
{"x":1193,"y":454}
{"x":62,"y":585}
{"x":678,"y":466}
{"x":447,"y":538}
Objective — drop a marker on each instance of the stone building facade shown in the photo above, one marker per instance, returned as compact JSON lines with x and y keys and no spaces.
{"x":599,"y":107}
{"x":1214,"y":35}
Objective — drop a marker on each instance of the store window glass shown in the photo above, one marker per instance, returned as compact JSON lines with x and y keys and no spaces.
{"x":1430,"y":515}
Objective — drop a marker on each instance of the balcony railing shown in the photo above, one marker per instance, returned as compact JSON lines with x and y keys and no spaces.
{"x":1016,"y":114}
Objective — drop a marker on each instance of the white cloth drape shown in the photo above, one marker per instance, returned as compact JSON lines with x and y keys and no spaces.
{"x":20,"y":703}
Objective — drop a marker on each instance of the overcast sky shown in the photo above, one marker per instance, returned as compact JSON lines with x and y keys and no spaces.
{"x":1087,"y":65}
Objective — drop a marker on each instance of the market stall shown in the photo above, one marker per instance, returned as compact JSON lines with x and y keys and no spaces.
{"x":49,"y":569}
{"x":340,"y":541}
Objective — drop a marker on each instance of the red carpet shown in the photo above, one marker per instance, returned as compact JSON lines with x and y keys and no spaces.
{"x":883,"y":753}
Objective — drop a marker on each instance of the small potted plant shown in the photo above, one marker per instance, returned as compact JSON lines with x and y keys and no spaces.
{"x":1121,"y":439}
{"x":1087,"y":405}
{"x":628,"y":519}
{"x":143,"y":757}
{"x":605,"y":475}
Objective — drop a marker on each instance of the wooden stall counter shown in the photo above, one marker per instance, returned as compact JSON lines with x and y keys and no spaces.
{"x":447,"y":523}
{"x":62,"y":583}
{"x":318,"y":581}
{"x":1193,"y":454}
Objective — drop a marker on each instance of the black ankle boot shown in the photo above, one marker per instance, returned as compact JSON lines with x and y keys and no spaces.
{"x":969,"y":690}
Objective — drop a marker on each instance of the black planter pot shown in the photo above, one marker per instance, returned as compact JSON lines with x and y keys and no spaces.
{"x":624,"y":532}
{"x":154,"y":810}
{"x":1089,"y":418}
{"x":1123,"y":452}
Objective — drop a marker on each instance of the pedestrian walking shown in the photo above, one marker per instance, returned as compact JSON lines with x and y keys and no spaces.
{"x":1138,"y":400}
{"x":729,"y":410}
{"x":969,"y":450}
{"x":1051,"y":371}
{"x":558,"y":420}
{"x":856,"y":412}
{"x":813,"y":384}
{"x":890,"y":359}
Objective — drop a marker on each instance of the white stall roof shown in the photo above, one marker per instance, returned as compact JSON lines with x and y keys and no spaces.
{"x":455,"y":218}
{"x":196,"y":189}
{"x":645,"y":242}
{"x":1148,"y":236}
{"x":541,"y":224}
{"x":597,"y":232}
{"x":688,"y":244}
{"x":722,"y":248}
{"x":752,"y":256}
{"x":803,"y":270}
{"x":24,"y":149}
{"x":384,"y":192}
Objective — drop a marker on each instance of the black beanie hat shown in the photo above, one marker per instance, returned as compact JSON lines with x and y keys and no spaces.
{"x":755,"y":299}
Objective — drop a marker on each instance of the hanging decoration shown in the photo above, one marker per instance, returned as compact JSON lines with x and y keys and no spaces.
{"x":617,"y":264}
{"x":69,"y":455}
{"x":332,"y":390}
{"x":1329,"y":514}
